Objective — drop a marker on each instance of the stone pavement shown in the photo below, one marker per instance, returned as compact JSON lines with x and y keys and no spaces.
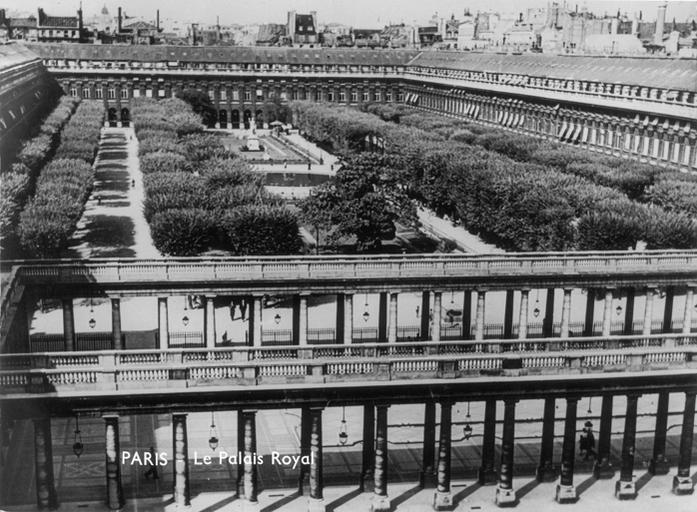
{"x":113,"y":224}
{"x":442,"y":228}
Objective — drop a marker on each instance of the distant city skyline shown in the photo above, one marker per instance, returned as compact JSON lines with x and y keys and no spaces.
{"x":357,"y":13}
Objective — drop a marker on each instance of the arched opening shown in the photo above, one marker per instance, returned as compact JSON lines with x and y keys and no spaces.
{"x":125,"y":117}
{"x":222,"y":118}
{"x":247,"y":119}
{"x":111,"y":116}
{"x":259,"y":118}
{"x":235,"y":118}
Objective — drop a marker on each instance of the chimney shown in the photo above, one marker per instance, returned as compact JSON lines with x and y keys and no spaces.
{"x":660,"y":22}
{"x":118,"y":21}
{"x":157,"y":20}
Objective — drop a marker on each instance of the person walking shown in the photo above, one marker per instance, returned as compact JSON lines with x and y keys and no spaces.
{"x":152,"y":469}
{"x":590,"y":441}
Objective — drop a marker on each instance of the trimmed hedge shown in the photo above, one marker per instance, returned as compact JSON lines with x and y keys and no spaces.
{"x":537,"y":205}
{"x":200,"y":197}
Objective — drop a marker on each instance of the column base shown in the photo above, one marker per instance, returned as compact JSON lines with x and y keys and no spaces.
{"x":367,"y":483}
{"x":659,"y":466}
{"x":625,"y":490}
{"x":487,"y":476}
{"x":565,"y":494}
{"x":315,"y":505}
{"x":547,"y":473}
{"x":505,"y":497}
{"x":603,"y":470}
{"x":380,"y":504}
{"x":683,"y":485}
{"x":443,"y":501}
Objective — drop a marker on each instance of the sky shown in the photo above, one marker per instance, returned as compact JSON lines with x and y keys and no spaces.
{"x":356,"y":13}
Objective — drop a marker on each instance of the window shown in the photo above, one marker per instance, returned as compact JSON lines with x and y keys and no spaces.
{"x":260,"y":94}
{"x":73,"y":91}
{"x":235,"y":95}
{"x":161,"y":93}
{"x":99,"y":93}
{"x":342,"y":96}
{"x":148,"y":93}
{"x":354,"y":96}
{"x":111,"y":93}
{"x":86,"y":93}
{"x":388,"y":96}
{"x":211,"y":94}
{"x":247,"y":95}
{"x":330,"y":95}
{"x":400,"y":97}
{"x":124,"y":93}
{"x":378,"y":96}
{"x":223,"y":94}
{"x":366,"y":95}
{"x":136,"y":93}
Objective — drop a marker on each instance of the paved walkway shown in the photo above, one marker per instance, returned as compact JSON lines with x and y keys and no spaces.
{"x":442,"y":228}
{"x":113,"y":224}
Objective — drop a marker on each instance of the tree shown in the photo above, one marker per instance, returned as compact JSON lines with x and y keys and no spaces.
{"x":363,"y":202}
{"x":201,"y":104}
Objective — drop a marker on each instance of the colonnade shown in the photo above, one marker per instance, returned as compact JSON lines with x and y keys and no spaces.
{"x":430,"y":327}
{"x":436,"y":463}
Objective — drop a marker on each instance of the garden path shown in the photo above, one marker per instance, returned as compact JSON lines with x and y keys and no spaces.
{"x":113,"y":225}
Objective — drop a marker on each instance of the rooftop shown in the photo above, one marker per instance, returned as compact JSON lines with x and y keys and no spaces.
{"x":14,"y":54}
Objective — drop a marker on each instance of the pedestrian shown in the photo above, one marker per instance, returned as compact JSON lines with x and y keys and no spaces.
{"x":152,"y":466}
{"x":133,"y":183}
{"x":590,"y":441}
{"x":583,"y":444}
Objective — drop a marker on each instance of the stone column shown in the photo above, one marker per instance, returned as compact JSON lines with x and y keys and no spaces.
{"x":689,"y":305}
{"x":392,"y":331}
{"x":116,"y":336}
{"x":302,"y":326}
{"x":304,"y":447}
{"x":382,"y":317}
{"x":209,"y":321}
{"x":607,"y":313}
{"x":255,"y":318}
{"x":466,"y":315}
{"x":658,"y":464}
{"x":429,"y":445}
{"x":682,"y":483}
{"x":479,"y":320}
{"x":487,"y":472}
{"x":546,"y":471}
{"x":629,"y":313}
{"x":249,"y":478}
{"x":348,"y":318}
{"x":523,"y":317}
{"x":548,"y":320}
{"x":240,"y":449}
{"x":602,"y":468}
{"x":437,"y":315}
{"x":296,"y":320}
{"x":114,"y":492}
{"x":505,"y":495}
{"x":590,"y":312}
{"x":381,"y":502}
{"x":425,"y":320}
{"x":340,"y":316}
{"x":565,"y":313}
{"x":625,"y":487}
{"x":181,"y":461}
{"x":566,"y":492}
{"x":648,"y":311}
{"x":368,"y":455}
{"x":163,"y":323}
{"x":668,"y":310}
{"x":316,"y":483}
{"x":508,"y":315}
{"x":443,"y":498}
{"x":43,"y":459}
{"x":68,"y":325}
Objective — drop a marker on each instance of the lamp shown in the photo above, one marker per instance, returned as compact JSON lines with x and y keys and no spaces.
{"x":618,"y":309}
{"x":277,"y":318}
{"x":343,"y":436}
{"x":468,"y":428}
{"x":589,"y":411}
{"x":213,"y":440}
{"x":366,"y":315}
{"x":536,"y":311}
{"x":185,"y":318}
{"x":78,"y":447}
{"x":92,"y":323}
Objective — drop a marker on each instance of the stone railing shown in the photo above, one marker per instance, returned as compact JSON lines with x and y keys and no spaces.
{"x":580,"y":264}
{"x":72,"y":373}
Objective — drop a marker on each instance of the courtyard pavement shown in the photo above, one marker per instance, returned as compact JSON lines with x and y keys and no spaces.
{"x":113,"y":224}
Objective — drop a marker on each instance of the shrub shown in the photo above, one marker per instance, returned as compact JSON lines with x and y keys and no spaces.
{"x":182,"y":232}
{"x":260,"y":229}
{"x":164,"y":162}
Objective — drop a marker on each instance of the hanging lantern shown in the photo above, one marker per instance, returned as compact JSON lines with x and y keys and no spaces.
{"x":589,"y":411}
{"x":213,"y":440}
{"x":78,"y":447}
{"x":618,"y":310}
{"x":536,"y":312}
{"x":185,"y":318}
{"x":343,"y":435}
{"x":277,"y":318}
{"x":92,"y":323}
{"x":467,"y":431}
{"x":366,"y":316}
